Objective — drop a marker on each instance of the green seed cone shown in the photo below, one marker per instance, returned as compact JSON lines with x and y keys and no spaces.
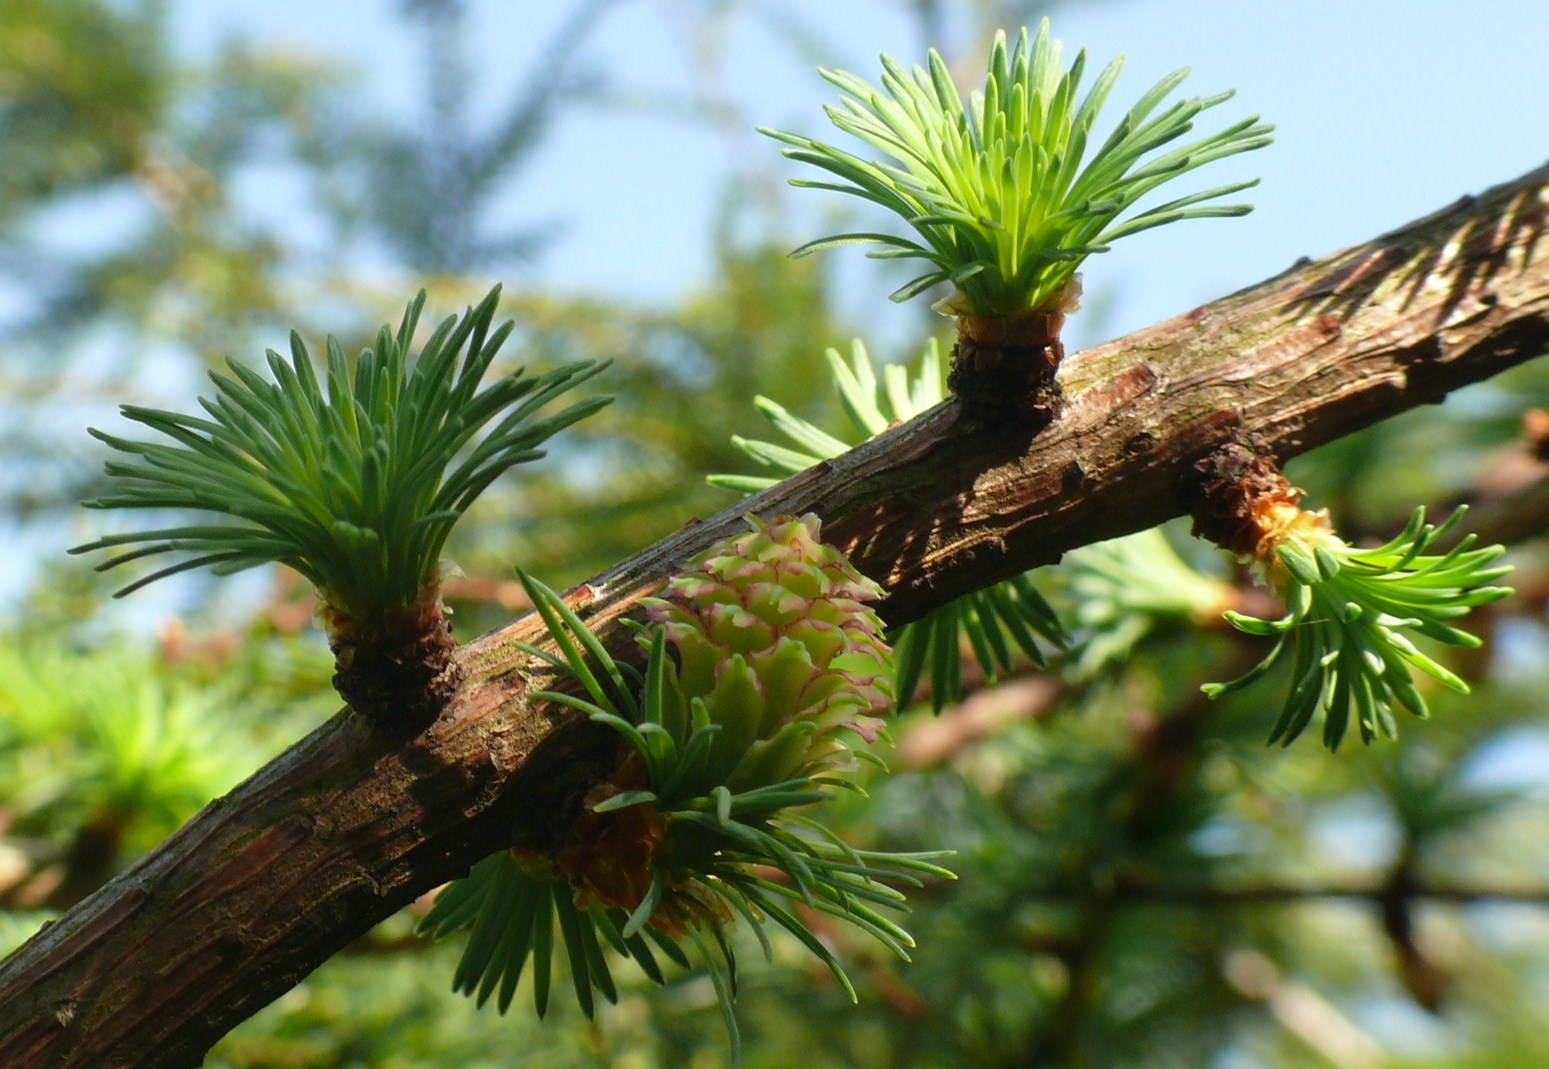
{"x":774,"y":631}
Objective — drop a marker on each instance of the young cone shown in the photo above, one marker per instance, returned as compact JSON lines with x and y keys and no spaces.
{"x":774,"y":631}
{"x":780,"y":662}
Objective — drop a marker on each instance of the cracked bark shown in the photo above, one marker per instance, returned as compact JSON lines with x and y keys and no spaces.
{"x":349,"y":825}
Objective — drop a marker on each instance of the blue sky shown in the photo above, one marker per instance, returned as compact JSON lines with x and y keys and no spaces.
{"x":1386,"y":110}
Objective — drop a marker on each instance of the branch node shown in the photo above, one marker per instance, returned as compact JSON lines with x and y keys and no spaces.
{"x":1004,"y":367}
{"x":402,"y":675}
{"x":1244,"y":504}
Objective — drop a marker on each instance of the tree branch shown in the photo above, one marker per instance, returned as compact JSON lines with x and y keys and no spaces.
{"x":350,"y":824}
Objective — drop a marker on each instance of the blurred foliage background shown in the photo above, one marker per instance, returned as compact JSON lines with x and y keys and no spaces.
{"x":1143,"y":882}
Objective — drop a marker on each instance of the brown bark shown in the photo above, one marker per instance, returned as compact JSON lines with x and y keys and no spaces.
{"x":349,"y":825}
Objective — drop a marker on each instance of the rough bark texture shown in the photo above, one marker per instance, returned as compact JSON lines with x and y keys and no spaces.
{"x":1005,"y":368}
{"x":1242,"y":502}
{"x":402,"y":675}
{"x":349,"y":825}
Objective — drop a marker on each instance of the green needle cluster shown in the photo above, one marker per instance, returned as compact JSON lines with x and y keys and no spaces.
{"x":1351,"y":617}
{"x":996,"y":622}
{"x":512,"y":908}
{"x":1000,"y":190}
{"x":1125,"y":589}
{"x":354,"y":479}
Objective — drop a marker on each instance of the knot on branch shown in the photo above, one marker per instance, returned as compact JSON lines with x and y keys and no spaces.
{"x":401,"y":676}
{"x":1005,"y":366}
{"x":1244,"y":504}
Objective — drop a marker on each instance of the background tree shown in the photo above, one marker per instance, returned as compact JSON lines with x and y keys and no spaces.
{"x":1141,"y":878}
